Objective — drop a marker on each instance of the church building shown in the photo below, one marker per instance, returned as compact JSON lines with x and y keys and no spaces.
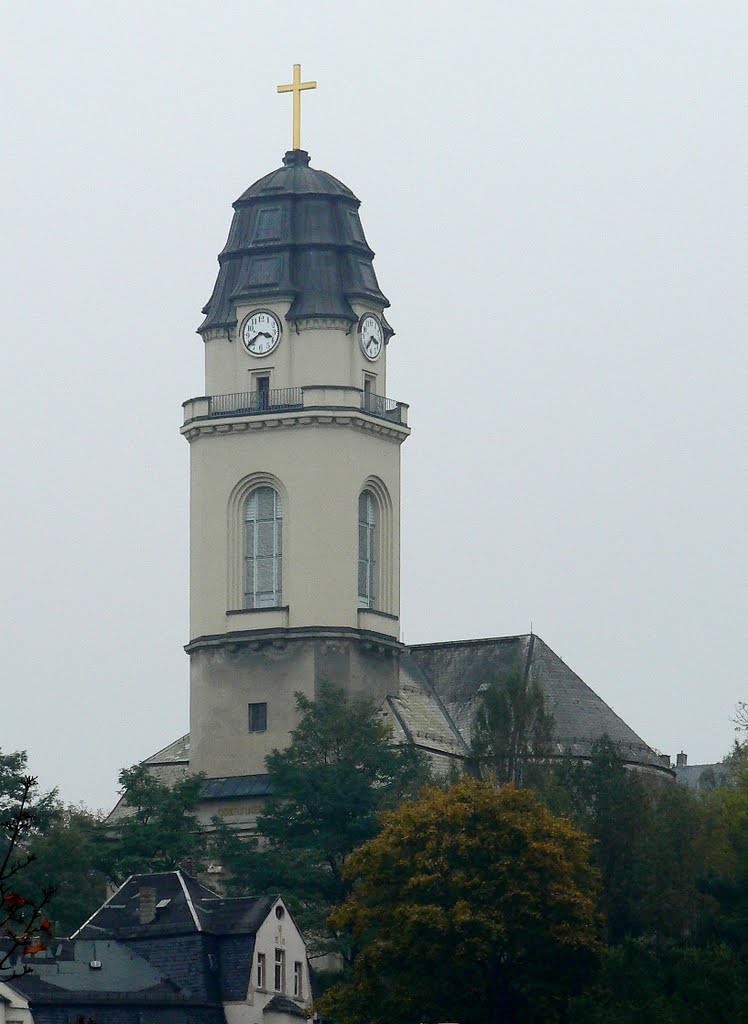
{"x":295,"y":512}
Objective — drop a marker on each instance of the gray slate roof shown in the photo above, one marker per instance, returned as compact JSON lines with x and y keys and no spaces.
{"x":703,"y":776}
{"x":65,"y":969}
{"x":167,"y":766}
{"x":191,"y":908}
{"x":456,"y":672}
{"x":282,"y":1004}
{"x":296,"y":234}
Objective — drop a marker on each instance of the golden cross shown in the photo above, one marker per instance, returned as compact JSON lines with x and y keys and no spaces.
{"x":297,"y":87}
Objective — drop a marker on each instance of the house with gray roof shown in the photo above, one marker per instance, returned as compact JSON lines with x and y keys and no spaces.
{"x":166,"y":949}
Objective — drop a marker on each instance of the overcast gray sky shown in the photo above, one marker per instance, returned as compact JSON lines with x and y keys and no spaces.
{"x":555,"y":194}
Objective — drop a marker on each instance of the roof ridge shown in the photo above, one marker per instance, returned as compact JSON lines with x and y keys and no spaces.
{"x":473,"y":640}
{"x":106,"y":903}
{"x":188,"y":897}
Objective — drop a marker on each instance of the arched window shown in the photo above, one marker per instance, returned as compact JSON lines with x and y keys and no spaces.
{"x":367,"y":549}
{"x":263,"y":549}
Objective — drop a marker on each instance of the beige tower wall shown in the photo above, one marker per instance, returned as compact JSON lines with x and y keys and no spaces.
{"x":320,"y":469}
{"x":319,"y":455}
{"x":225,"y":679}
{"x":312,"y":354}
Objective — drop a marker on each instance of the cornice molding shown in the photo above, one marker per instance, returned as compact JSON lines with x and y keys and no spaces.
{"x":280,"y":637}
{"x":335,"y":416}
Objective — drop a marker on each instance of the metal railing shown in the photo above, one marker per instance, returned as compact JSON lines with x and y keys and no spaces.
{"x":378,"y":405}
{"x":255,"y":403}
{"x":248,"y":402}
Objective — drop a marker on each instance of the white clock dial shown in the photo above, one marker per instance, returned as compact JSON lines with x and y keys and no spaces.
{"x":372,"y":336}
{"x":261,"y":332}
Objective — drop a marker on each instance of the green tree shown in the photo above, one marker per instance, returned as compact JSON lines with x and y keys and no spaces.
{"x":69,"y":856}
{"x":730,"y":802}
{"x":55,"y":850}
{"x":671,"y":985}
{"x":656,"y":844}
{"x":161,"y":831}
{"x":329,"y":786}
{"x":474,"y":904}
{"x":513,"y":730}
{"x":609,"y":803}
{"x":14,"y":776}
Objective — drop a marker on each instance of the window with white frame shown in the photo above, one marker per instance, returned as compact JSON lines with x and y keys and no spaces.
{"x":263,"y":549}
{"x":367,"y":548}
{"x":261,"y":970}
{"x":280,"y":970}
{"x":298,"y":980}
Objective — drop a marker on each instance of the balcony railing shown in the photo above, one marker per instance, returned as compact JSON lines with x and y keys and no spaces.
{"x":378,"y":405}
{"x":253,"y":402}
{"x":317,"y":396}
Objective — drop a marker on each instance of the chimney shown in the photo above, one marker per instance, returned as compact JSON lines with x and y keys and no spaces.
{"x":146,"y":904}
{"x":681,"y":760}
{"x":665,"y":760}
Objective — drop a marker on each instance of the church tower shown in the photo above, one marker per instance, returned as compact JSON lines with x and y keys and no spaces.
{"x":295,"y":516}
{"x":295,"y":473}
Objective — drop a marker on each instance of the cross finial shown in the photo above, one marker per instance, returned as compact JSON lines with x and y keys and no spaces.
{"x":297,"y":87}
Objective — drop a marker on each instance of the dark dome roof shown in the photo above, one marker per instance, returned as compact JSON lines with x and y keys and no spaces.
{"x":296,"y":235}
{"x":298,"y":177}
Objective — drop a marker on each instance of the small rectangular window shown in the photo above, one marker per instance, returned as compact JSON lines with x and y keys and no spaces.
{"x":280,"y":970}
{"x":261,"y":970}
{"x":298,"y":980}
{"x":258,"y":717}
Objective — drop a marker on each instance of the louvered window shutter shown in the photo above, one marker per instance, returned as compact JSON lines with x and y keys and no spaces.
{"x":366,"y":549}
{"x":263,"y":549}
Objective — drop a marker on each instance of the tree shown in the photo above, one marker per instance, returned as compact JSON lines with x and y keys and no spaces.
{"x":609,"y":803}
{"x":69,"y":856}
{"x":513,"y":730}
{"x":672,"y":985}
{"x":474,"y":904}
{"x":730,"y":802}
{"x":741,"y":716}
{"x":23,"y":923}
{"x":656,"y":844}
{"x":14,"y":790}
{"x":161,"y":833}
{"x":329,"y":786}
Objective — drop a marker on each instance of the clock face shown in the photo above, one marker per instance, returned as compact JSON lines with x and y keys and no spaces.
{"x":372,"y":336}
{"x":261,"y":332}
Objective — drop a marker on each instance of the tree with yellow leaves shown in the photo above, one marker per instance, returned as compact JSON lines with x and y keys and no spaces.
{"x":473,"y":904}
